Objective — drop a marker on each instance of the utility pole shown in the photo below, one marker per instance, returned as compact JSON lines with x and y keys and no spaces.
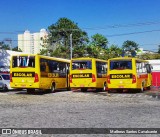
{"x":71,"y":46}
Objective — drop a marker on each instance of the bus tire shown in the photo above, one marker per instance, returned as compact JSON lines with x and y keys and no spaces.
{"x":142,"y":88}
{"x":104,"y":87}
{"x":52,"y":90}
{"x":149,"y":87}
{"x":5,"y":88}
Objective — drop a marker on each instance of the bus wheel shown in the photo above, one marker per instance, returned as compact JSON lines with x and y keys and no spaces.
{"x":83,"y":89}
{"x":142,"y":88}
{"x":104,"y":87}
{"x":52,"y":90}
{"x":5,"y":88}
{"x":148,"y":88}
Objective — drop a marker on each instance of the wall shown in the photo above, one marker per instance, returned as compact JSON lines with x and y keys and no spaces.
{"x":5,"y":56}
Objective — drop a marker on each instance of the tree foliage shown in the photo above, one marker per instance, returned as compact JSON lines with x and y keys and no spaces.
{"x":114,"y":51}
{"x":99,"y":40}
{"x":130,"y":47}
{"x":59,"y":37}
{"x":148,"y":56}
{"x":16,"y":49}
{"x":58,"y":43}
{"x":4,"y":46}
{"x":159,"y":49}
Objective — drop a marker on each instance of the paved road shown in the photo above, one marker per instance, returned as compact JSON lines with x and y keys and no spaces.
{"x":67,"y":109}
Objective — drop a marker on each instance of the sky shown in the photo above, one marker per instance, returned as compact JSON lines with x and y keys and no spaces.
{"x":117,"y":20}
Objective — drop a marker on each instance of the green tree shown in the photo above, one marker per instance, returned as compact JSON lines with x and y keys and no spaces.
{"x":130,"y":47}
{"x":58,"y":41}
{"x":99,"y":40}
{"x":80,"y":51}
{"x":16,"y":49}
{"x":159,"y":49}
{"x":97,"y":47}
{"x":93,"y":51}
{"x":4,"y":46}
{"x":114,"y":51}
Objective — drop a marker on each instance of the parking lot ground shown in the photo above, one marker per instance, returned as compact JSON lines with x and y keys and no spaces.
{"x":70,"y":109}
{"x":154,"y":92}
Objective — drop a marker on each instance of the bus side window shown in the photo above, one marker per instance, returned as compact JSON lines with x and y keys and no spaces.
{"x":42,"y":67}
{"x":62,"y":67}
{"x":143,"y":68}
{"x":56,"y":67}
{"x":129,"y":65}
{"x":104,"y":68}
{"x":50,"y":64}
{"x":137,"y":67}
{"x":140,"y":68}
{"x":111,"y":65}
{"x":149,"y":68}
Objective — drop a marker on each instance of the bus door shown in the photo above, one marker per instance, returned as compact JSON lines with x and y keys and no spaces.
{"x":101,"y":71}
{"x":149,"y":72}
{"x":67,"y":75}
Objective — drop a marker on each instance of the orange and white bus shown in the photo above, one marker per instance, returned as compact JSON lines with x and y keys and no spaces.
{"x":88,"y":73}
{"x":29,"y":71}
{"x":128,"y":73}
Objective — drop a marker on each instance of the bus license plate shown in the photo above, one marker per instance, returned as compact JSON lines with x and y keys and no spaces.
{"x":81,"y":85}
{"x":23,"y":85}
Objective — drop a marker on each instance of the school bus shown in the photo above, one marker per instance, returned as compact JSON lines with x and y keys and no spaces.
{"x":128,"y":73}
{"x":88,"y":73}
{"x":33,"y":71}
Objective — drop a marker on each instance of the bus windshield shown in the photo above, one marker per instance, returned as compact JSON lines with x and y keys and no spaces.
{"x":120,"y":64}
{"x":23,"y":61}
{"x":82,"y":64}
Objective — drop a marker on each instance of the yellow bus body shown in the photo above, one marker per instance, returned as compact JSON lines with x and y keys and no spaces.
{"x":93,"y":76}
{"x":40,"y":75}
{"x":134,"y":75}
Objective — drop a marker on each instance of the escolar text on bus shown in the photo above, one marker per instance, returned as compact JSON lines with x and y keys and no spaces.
{"x":84,"y":75}
{"x":121,"y":76}
{"x":23,"y":74}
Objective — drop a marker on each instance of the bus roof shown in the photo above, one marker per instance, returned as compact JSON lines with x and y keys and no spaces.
{"x":123,"y":58}
{"x":47,"y":57}
{"x":88,"y":58}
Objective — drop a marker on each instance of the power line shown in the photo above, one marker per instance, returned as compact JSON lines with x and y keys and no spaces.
{"x":96,"y":28}
{"x":122,"y":34}
{"x":131,"y":33}
{"x":125,"y":25}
